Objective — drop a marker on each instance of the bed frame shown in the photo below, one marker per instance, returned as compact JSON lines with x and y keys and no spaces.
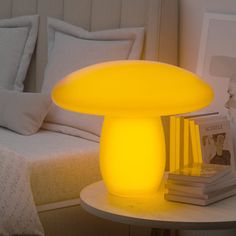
{"x":160,"y":19}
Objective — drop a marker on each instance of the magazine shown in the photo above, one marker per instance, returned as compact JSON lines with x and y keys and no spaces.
{"x":201,"y":201}
{"x":216,"y":142}
{"x":180,"y":144}
{"x":200,"y":172}
{"x":200,"y":195}
{"x":201,"y":189}
{"x":201,"y":138}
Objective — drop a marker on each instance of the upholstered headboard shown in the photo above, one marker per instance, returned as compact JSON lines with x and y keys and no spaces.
{"x":159,"y":17}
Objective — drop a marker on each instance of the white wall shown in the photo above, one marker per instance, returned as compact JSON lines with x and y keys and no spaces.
{"x":191,"y":17}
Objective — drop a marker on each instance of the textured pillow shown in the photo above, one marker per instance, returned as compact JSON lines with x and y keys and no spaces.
{"x":71,"y":48}
{"x":23,"y":112}
{"x":17,"y":41}
{"x":18,"y":214}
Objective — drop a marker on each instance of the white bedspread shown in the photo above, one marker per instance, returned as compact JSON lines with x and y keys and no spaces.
{"x":18,"y":214}
{"x":60,"y":165}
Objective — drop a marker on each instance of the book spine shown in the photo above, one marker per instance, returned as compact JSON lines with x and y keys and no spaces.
{"x":185,"y":189}
{"x":199,"y":149}
{"x":177,"y":143}
{"x":172,"y":161}
{"x":181,"y":144}
{"x":198,"y":195}
{"x":186,"y":160}
{"x":193,"y":140}
{"x":166,"y":128}
{"x":177,"y":198}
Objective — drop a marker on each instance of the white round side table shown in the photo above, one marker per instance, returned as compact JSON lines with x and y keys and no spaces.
{"x":156,"y":212}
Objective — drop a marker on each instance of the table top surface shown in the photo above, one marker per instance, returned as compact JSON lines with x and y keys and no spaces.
{"x":155,"y":211}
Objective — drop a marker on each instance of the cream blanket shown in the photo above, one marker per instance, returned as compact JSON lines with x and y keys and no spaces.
{"x":18,"y":214}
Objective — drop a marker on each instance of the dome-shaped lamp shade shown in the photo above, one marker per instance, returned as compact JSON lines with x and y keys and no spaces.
{"x":132,"y":95}
{"x":132,"y":88}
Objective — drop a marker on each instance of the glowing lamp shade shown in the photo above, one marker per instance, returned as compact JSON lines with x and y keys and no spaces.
{"x":132,"y":95}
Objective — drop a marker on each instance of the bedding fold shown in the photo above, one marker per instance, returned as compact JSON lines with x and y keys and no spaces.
{"x":18,"y":214}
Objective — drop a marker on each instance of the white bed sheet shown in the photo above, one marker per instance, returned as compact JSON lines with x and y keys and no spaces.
{"x":61,"y":165}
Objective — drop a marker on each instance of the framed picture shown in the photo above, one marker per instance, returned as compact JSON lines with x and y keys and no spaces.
{"x":217,"y":57}
{"x":216,"y":142}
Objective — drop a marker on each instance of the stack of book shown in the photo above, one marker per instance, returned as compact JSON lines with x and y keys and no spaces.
{"x":201,"y":184}
{"x":204,"y":138}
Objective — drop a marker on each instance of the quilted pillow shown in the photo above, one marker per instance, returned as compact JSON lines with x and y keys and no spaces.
{"x":71,"y":48}
{"x":17,"y":41}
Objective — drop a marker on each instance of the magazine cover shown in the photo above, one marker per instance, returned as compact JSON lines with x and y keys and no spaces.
{"x":216,"y":143}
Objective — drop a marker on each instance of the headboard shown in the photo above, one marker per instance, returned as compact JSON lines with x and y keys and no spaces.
{"x":159,"y":17}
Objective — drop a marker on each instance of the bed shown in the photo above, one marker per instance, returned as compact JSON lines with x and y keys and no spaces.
{"x":61,"y":164}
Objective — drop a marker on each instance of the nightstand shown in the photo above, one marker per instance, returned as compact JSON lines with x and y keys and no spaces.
{"x":156,"y":212}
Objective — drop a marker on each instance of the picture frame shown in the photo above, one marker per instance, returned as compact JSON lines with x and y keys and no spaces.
{"x":216,"y":62}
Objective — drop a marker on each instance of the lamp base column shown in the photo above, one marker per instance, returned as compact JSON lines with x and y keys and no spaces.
{"x":132,"y":155}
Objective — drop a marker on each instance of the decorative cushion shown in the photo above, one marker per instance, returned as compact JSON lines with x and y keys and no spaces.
{"x":71,"y":48}
{"x":23,"y":112}
{"x":17,"y":41}
{"x":18,"y":214}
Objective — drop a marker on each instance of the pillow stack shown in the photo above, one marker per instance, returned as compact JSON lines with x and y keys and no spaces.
{"x":20,"y":112}
{"x":70,"y":48}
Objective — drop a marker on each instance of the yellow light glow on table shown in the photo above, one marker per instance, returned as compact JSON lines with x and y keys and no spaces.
{"x":132,"y":95}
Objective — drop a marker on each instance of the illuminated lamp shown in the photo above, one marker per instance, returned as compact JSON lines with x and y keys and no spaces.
{"x":132,"y":95}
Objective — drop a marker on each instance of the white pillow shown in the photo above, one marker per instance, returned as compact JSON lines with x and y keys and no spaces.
{"x":71,"y":48}
{"x":17,"y":41}
{"x":18,"y":214}
{"x":23,"y":112}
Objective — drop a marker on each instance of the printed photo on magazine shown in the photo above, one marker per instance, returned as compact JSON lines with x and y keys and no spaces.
{"x":216,"y":143}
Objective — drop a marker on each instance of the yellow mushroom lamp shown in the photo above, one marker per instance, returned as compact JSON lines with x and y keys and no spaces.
{"x":132,"y":95}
